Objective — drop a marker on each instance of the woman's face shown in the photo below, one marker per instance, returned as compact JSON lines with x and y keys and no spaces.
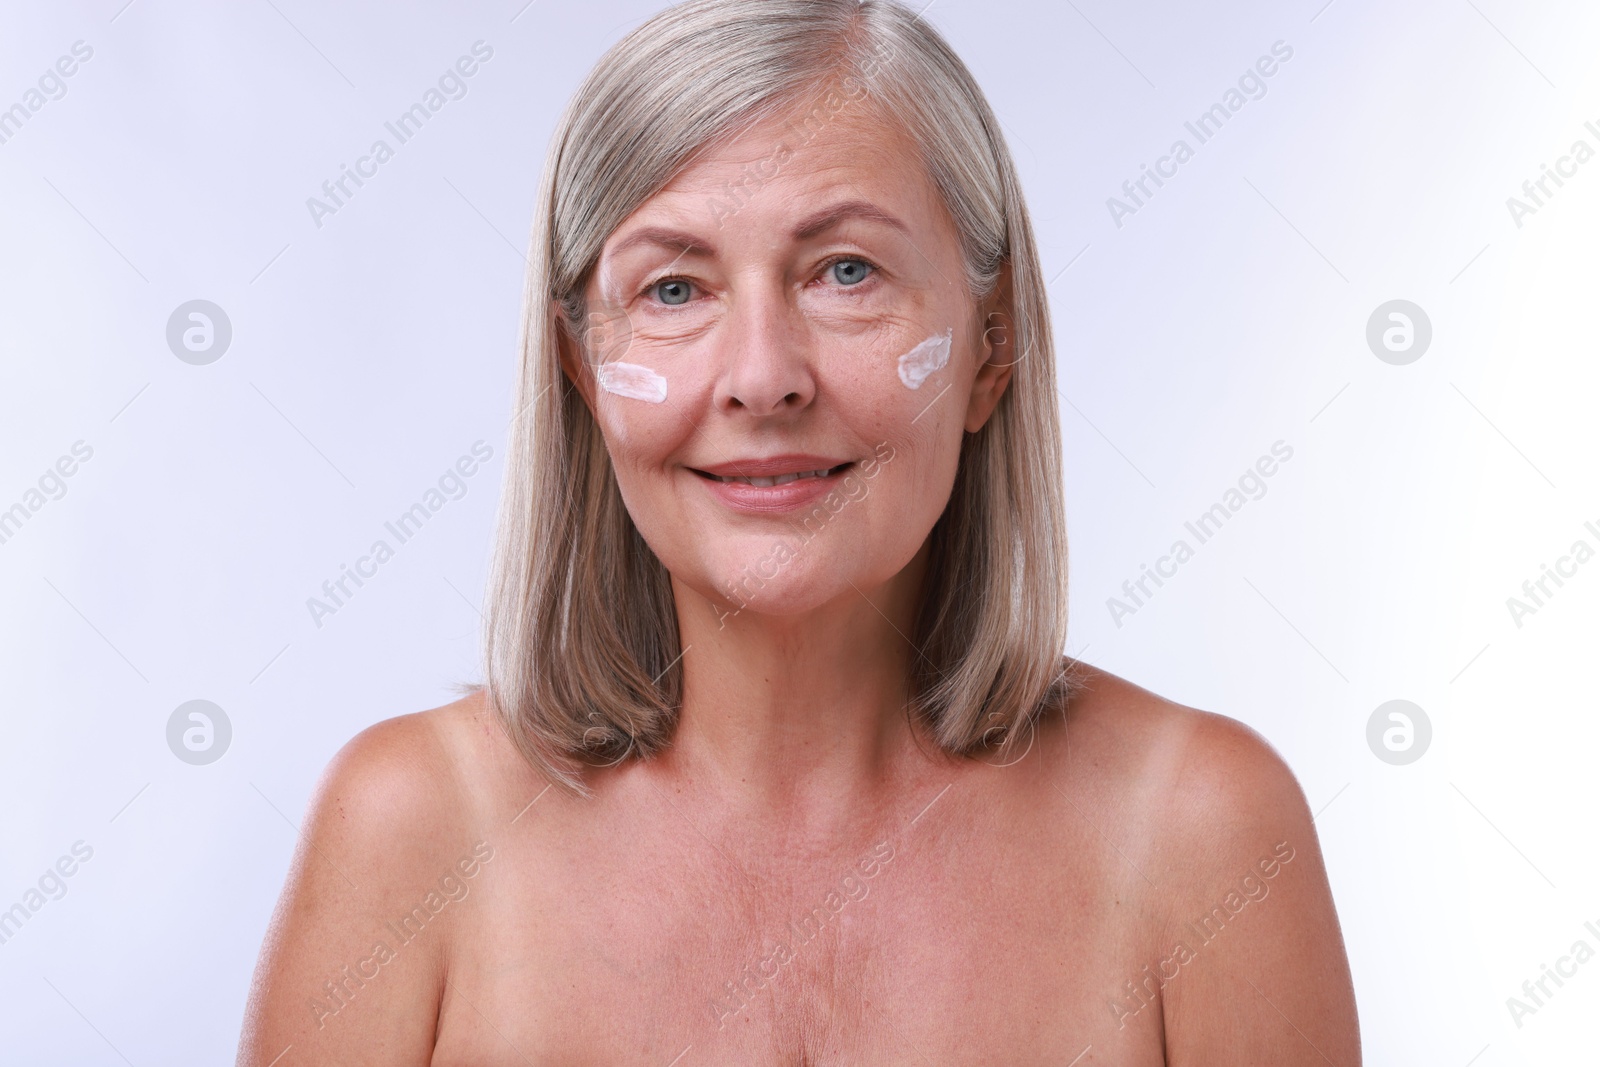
{"x":784,"y":360}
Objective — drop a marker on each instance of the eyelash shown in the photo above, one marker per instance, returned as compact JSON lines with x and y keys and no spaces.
{"x":829,"y":264}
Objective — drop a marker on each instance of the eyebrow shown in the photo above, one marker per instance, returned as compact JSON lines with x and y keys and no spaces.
{"x":830,"y":217}
{"x":678,"y":241}
{"x":687,"y":244}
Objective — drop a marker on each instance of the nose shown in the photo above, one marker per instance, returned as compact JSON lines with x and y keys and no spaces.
{"x":767,"y":359}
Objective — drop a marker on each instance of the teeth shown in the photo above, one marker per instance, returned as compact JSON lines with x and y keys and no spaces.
{"x":779,"y":479}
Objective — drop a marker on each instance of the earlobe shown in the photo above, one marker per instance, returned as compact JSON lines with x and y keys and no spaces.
{"x":990,"y":386}
{"x":994,"y":375}
{"x":998,"y":351}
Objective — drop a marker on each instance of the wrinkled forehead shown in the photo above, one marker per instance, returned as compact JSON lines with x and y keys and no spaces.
{"x":824,"y":149}
{"x":823,"y":119}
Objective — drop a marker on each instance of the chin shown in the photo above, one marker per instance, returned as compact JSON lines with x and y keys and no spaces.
{"x":781,"y":581}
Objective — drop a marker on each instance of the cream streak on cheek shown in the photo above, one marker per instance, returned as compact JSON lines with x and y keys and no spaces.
{"x":923,"y":360}
{"x":632,"y":381}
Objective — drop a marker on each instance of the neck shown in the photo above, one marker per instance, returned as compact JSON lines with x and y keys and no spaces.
{"x":787,"y":715}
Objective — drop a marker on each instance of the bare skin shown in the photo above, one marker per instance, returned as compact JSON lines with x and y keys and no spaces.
{"x":803,"y":877}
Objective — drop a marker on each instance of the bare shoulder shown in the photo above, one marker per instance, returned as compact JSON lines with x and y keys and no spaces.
{"x":1250,"y":963}
{"x":398,"y":804}
{"x":421,"y":759}
{"x":1181,"y":768}
{"x":401,"y":789}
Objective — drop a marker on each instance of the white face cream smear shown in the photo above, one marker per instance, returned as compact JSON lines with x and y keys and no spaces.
{"x":636,"y":382}
{"x":923,"y":360}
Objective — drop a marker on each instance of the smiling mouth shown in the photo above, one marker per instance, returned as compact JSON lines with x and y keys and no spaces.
{"x":769,"y":481}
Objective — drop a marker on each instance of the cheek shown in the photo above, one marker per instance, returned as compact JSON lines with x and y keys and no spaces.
{"x":924,"y":425}
{"x":907,"y":388}
{"x":631,"y":381}
{"x":646,"y":437}
{"x":639,"y":433}
{"x":916,"y":461}
{"x":924,"y":359}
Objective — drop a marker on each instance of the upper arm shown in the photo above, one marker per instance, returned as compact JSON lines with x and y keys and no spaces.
{"x":335,"y":979}
{"x":1256,"y":970}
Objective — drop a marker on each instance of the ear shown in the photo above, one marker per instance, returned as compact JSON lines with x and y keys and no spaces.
{"x":571,"y":355}
{"x":998,"y":352}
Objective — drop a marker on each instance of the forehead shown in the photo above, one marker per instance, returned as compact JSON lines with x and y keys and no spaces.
{"x":827,"y":145}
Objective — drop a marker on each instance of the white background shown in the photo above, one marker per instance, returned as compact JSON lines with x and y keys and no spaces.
{"x":368,"y":354}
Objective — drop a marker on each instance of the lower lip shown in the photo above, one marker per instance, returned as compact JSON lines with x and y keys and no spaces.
{"x":773,"y":499}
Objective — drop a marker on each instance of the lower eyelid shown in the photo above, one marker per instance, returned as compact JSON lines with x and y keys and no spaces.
{"x":830,"y":282}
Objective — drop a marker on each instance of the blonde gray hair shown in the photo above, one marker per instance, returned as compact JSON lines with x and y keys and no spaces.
{"x":581,"y":637}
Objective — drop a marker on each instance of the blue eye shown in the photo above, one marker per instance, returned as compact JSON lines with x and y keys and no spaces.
{"x":672,"y":291}
{"x":850,"y":271}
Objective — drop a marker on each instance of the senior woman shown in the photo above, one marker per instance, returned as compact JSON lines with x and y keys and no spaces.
{"x":779,"y":761}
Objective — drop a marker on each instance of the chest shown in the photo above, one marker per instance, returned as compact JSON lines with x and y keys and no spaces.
{"x":949,"y":946}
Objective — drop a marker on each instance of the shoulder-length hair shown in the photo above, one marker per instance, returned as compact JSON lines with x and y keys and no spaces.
{"x":581,"y":638}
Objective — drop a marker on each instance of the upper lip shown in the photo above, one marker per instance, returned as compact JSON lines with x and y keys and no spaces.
{"x":772,"y":466}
